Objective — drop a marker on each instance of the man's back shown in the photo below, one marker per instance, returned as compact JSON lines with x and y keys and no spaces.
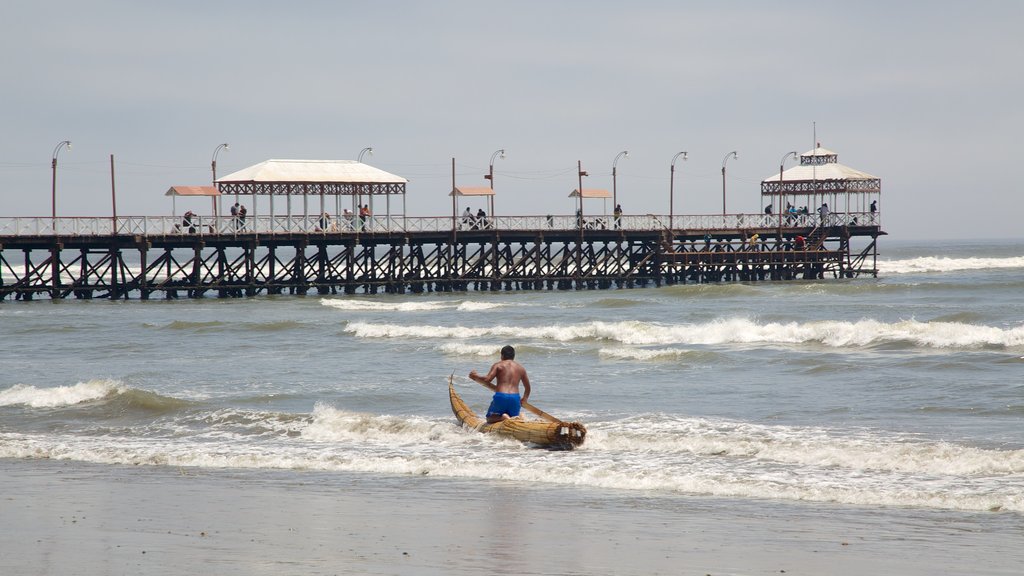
{"x":509,"y":374}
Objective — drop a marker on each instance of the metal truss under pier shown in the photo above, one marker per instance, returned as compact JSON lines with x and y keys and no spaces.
{"x":241,"y":264}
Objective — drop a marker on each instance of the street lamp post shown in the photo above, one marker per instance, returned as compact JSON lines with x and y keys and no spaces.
{"x":213,"y":169}
{"x":53,"y":182}
{"x":579,"y":209}
{"x":490,"y":176}
{"x":615,"y":197}
{"x":782,"y":163}
{"x":579,"y":225}
{"x":671,"y":190}
{"x":724,"y":160}
{"x":359,"y":198}
{"x":213,"y":161}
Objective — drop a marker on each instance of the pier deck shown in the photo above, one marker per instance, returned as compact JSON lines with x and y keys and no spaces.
{"x":144,"y":257}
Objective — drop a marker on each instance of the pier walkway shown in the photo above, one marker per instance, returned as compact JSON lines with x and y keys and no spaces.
{"x":170,"y":257}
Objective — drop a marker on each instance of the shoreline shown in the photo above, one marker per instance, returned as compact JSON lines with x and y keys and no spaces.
{"x":64,"y":517}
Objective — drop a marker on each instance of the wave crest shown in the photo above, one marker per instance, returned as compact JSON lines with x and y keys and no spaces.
{"x":33,"y":397}
{"x":834,"y":334}
{"x":945,"y":264}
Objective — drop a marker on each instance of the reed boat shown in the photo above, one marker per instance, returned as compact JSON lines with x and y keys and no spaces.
{"x":551,"y":433}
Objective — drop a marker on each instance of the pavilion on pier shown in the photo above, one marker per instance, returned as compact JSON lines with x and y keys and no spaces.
{"x":820,"y":178}
{"x":317,"y":179}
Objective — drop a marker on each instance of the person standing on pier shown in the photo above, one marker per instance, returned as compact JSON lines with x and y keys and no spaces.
{"x":234,"y":216}
{"x":617,"y":213}
{"x":241,"y":217}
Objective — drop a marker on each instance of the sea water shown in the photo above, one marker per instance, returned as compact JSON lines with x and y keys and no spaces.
{"x":902,"y":392}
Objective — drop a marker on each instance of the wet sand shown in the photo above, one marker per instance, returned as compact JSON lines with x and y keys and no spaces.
{"x":65,"y":518}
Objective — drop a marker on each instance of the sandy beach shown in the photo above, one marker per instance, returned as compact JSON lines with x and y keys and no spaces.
{"x":76,"y":519}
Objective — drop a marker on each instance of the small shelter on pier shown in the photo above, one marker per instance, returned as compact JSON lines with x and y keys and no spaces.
{"x":484,"y":192}
{"x":589,"y":193}
{"x":192,"y":191}
{"x":317,"y":178}
{"x":821,"y":178}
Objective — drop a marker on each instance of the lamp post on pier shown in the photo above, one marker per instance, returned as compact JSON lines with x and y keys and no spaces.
{"x":671,"y":190}
{"x":490,"y":175}
{"x":782,"y":163}
{"x":732,"y":154}
{"x":359,"y":198}
{"x":213,"y":169}
{"x":615,"y":197}
{"x":53,"y":182}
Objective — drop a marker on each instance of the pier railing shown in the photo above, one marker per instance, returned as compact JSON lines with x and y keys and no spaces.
{"x":227,"y":225}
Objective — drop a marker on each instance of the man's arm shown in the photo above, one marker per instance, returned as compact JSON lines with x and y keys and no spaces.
{"x":526,"y":386}
{"x":486,"y":380}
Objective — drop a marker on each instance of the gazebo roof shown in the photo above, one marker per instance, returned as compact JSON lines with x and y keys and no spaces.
{"x":334,"y":171}
{"x":833,"y":171}
{"x":192,"y":191}
{"x":471,"y":191}
{"x":303,"y":177}
{"x":820,"y":172}
{"x":591,"y":193}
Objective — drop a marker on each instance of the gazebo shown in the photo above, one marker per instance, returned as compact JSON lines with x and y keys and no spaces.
{"x":588,"y":193}
{"x":192,"y":191}
{"x":319,"y":178}
{"x":821,"y":178}
{"x":483,"y":192}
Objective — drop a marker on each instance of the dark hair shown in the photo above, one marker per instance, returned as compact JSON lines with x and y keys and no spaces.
{"x":508,"y":353}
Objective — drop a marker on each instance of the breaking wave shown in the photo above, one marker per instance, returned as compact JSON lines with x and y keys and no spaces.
{"x":944,"y":264}
{"x":34,"y":397}
{"x":834,"y":334}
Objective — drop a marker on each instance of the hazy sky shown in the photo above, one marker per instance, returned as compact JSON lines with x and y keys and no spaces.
{"x":927,"y":96}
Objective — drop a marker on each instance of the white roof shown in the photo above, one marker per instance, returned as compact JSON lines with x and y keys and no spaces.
{"x":591,"y":193}
{"x":336,"y":171}
{"x":831,"y":171}
{"x":471,"y":191}
{"x":192,"y":191}
{"x":819,"y":151}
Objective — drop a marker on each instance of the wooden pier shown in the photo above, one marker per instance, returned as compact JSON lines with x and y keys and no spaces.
{"x":147,"y":258}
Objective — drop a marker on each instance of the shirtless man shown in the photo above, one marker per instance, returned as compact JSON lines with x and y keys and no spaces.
{"x":506,"y":402}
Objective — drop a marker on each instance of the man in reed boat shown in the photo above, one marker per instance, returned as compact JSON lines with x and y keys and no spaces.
{"x":509,"y":373}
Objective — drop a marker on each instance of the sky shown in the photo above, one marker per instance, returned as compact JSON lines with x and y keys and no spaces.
{"x":929,"y":97}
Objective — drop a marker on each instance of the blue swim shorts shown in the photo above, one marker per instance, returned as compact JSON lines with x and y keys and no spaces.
{"x":503,"y":403}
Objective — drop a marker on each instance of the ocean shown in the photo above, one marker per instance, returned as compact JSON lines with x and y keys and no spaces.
{"x":891,"y":397}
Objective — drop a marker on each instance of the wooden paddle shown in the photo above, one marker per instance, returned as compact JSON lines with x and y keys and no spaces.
{"x":539,"y":412}
{"x":523,"y":403}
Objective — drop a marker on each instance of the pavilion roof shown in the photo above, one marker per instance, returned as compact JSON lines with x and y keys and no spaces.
{"x":472,"y":191}
{"x":831,"y":171}
{"x":192,"y":191}
{"x":302,"y":171}
{"x":591,"y":193}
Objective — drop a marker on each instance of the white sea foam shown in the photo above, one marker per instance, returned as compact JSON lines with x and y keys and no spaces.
{"x":836,"y":334}
{"x":362,"y":305}
{"x":473,"y":306}
{"x":463,"y":349}
{"x":692,"y":456}
{"x":34,"y":397}
{"x":643,"y":354}
{"x":358,"y":305}
{"x":944,"y":264}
